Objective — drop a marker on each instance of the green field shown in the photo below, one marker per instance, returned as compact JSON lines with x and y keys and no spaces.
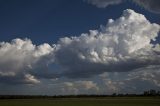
{"x":115,"y":101}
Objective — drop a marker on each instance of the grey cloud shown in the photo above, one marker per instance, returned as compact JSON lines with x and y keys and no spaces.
{"x":104,"y":3}
{"x":151,"y":5}
{"x":131,"y":82}
{"x":19,"y":79}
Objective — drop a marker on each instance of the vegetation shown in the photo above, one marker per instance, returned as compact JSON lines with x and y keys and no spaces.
{"x":105,"y":101}
{"x":145,"y":94}
{"x":148,"y":98}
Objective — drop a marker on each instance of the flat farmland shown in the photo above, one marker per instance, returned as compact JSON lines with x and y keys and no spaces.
{"x":105,"y":101}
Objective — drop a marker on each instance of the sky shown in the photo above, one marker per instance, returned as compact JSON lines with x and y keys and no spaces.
{"x":62,"y":47}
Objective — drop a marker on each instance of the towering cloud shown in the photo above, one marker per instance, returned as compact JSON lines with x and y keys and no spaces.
{"x":122,"y":45}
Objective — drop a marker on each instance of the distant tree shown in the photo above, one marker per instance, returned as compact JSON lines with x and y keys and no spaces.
{"x":158,"y":93}
{"x":114,"y":94}
{"x":146,"y":93}
{"x":152,"y":92}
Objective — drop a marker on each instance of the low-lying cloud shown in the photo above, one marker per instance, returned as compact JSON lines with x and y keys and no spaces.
{"x":132,"y":82}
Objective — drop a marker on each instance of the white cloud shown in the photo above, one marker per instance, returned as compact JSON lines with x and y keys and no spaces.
{"x":122,"y":45}
{"x":77,"y":87}
{"x":21,"y":55}
{"x":31,"y":79}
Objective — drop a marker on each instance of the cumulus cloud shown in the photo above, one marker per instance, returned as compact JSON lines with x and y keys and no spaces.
{"x":122,"y":45}
{"x":19,"y":56}
{"x":104,"y":3}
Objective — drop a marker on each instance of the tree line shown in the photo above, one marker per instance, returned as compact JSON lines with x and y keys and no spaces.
{"x":144,"y":94}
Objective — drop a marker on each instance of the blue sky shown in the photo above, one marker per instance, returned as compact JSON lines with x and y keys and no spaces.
{"x":47,"y":46}
{"x":47,"y":21}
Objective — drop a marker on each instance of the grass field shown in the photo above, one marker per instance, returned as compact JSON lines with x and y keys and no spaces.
{"x":116,"y":101}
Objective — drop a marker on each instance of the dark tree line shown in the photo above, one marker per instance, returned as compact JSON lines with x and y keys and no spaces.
{"x":145,"y":94}
{"x":151,"y":93}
